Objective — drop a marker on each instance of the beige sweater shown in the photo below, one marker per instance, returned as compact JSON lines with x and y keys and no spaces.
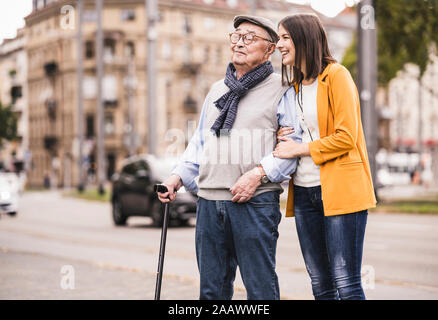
{"x":253,"y":135}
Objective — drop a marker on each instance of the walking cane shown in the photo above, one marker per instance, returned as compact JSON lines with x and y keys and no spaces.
{"x":162,"y":189}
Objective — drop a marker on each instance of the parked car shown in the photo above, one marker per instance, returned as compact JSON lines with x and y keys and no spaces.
{"x":133,"y":192}
{"x":9,"y":193}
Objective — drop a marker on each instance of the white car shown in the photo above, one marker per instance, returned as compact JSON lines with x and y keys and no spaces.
{"x":9,"y":193}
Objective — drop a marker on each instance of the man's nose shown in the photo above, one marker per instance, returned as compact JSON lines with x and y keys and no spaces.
{"x":240,"y":43}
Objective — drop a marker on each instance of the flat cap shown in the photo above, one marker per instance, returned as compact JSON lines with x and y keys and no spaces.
{"x":265,"y":23}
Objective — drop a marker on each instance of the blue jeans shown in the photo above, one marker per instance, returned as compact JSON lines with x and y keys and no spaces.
{"x":232,"y":234}
{"x":331,"y":246}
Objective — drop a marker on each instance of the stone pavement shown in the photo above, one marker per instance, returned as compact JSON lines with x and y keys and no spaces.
{"x":31,"y":276}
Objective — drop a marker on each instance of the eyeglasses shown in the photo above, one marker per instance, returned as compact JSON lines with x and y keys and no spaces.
{"x":248,"y":38}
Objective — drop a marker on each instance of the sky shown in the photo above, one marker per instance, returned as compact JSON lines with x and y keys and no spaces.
{"x":12,"y":13}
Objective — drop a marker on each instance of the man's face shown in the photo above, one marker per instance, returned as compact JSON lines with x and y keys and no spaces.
{"x":246,"y":57}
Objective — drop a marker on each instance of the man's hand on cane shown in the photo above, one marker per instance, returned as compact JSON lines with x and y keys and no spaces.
{"x":173,"y":183}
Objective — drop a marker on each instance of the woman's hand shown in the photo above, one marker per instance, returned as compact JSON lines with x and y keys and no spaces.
{"x":288,"y":148}
{"x":284,"y":131}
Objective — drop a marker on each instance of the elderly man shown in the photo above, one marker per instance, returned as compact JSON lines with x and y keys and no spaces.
{"x":238,"y":210}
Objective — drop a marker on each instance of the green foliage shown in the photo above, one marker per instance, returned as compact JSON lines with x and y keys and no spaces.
{"x":350,"y":58}
{"x":408,"y":206}
{"x":90,"y":194}
{"x":8,"y":124}
{"x":406,"y":29}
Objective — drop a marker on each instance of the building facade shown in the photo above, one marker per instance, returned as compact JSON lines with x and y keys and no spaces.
{"x":414,"y":108}
{"x":413,"y":104}
{"x":192,"y":53}
{"x":15,"y":155}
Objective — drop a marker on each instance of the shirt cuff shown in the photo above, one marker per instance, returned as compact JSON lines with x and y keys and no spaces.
{"x":272,"y":170}
{"x":187,"y":176}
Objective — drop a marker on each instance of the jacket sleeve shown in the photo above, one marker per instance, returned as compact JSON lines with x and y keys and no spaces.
{"x":344,"y":101}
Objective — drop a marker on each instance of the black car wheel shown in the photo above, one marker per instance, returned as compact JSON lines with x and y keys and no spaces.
{"x":12,"y":214}
{"x":118,"y":217}
{"x":157,"y":214}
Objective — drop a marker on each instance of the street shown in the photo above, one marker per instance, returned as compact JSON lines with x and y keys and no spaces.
{"x":64,"y":248}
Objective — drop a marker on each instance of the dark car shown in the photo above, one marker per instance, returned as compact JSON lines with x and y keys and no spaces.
{"x":133,"y":192}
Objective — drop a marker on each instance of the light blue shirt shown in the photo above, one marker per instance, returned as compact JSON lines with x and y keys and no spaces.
{"x":276,"y":169}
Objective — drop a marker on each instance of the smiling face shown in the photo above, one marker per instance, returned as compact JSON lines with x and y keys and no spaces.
{"x":246,"y":57}
{"x":286,"y":46}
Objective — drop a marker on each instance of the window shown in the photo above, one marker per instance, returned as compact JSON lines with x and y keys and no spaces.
{"x":16,"y":93}
{"x":108,"y":124}
{"x":206,"y":53}
{"x":90,"y":126}
{"x":166,"y":50}
{"x":90,"y":16}
{"x":187,"y":28}
{"x":209,"y":24}
{"x":128,"y":15}
{"x":40,"y":4}
{"x":168,"y":102}
{"x":142,"y":165}
{"x":218,"y":55}
{"x":89,"y":49}
{"x":232,"y":3}
{"x":109,"y":49}
{"x":187,"y":53}
{"x":190,"y":104}
{"x":109,"y":90}
{"x":89,"y":87}
{"x":130,"y":49}
{"x":129,"y":169}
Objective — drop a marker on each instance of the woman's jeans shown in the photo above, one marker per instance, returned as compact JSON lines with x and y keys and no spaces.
{"x":331,"y":246}
{"x":230,"y":234}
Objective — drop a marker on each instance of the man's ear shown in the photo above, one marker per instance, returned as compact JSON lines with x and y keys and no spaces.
{"x":270,"y":49}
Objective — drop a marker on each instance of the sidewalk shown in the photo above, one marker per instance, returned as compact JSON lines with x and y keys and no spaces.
{"x":31,"y":276}
{"x":406,"y":192}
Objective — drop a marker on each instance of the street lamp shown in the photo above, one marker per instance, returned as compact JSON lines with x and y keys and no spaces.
{"x":100,"y":125}
{"x":151,"y":35}
{"x":367,"y":77}
{"x":80,"y":118}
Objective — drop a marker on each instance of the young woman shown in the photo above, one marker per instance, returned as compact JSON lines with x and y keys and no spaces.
{"x":331,"y":190}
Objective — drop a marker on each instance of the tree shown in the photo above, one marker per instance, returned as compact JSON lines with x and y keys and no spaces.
{"x":406,"y":31}
{"x":8,"y":124}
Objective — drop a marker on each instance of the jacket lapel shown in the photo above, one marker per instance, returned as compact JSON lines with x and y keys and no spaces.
{"x":322,"y":101}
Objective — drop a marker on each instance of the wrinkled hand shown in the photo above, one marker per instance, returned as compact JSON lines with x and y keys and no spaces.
{"x":173,"y":183}
{"x":284,"y":131}
{"x":288,"y":148}
{"x":246,"y":185}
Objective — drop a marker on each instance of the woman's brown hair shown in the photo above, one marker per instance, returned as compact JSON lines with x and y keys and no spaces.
{"x":311,"y":47}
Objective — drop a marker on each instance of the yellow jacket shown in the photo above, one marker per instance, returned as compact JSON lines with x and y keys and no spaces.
{"x":341,"y":152}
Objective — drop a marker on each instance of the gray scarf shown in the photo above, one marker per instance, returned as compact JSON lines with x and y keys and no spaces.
{"x":228,"y":103}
